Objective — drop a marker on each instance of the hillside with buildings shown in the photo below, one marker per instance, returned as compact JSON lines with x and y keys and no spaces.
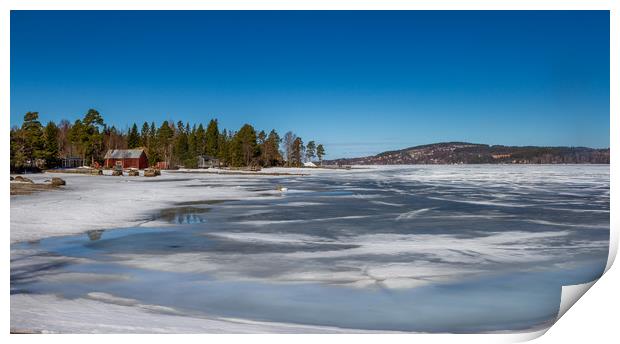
{"x":471,"y":153}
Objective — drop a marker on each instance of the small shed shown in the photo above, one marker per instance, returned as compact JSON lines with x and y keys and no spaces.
{"x":205,"y":161}
{"x":162,"y":165}
{"x":71,"y":161}
{"x":126,"y":158}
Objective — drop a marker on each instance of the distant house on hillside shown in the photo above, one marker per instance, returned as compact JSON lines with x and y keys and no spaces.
{"x":126,"y":158}
{"x":205,"y":161}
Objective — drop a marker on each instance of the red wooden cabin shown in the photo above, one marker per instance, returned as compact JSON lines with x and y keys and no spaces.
{"x":126,"y":158}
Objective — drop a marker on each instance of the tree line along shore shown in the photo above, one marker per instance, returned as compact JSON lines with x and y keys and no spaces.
{"x":35,"y":146}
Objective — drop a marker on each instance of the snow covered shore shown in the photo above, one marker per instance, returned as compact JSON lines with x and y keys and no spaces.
{"x":106,"y":202}
{"x":102,"y":313}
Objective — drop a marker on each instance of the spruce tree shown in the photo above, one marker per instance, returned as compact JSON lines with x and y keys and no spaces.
{"x":223,"y":147}
{"x":152,"y":148}
{"x":18,"y":157}
{"x":164,"y":141}
{"x":211,"y":139}
{"x":181,"y":144}
{"x":244,"y":148}
{"x":133,"y":138}
{"x":144,"y":135}
{"x":200,"y":140}
{"x":192,"y":146}
{"x":152,"y":131}
{"x":51,"y":146}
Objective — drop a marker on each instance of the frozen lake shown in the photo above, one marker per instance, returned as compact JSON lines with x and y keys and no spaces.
{"x":421,"y":248}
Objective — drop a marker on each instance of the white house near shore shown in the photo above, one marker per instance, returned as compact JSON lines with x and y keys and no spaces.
{"x":309,"y":164}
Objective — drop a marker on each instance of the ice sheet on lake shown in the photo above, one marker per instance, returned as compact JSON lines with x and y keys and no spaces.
{"x":391,"y":261}
{"x":387,"y":228}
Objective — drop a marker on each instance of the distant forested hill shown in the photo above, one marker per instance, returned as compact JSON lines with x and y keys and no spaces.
{"x":471,"y":153}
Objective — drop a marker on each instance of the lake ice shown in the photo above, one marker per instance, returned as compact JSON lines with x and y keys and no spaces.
{"x":418,"y":248}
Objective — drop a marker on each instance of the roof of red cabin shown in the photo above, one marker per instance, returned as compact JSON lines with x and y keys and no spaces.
{"x":124,"y":153}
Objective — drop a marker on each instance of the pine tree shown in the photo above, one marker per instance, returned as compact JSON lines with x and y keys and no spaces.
{"x":320,"y":153}
{"x":181,"y":144}
{"x":201,"y":140}
{"x":211,"y":138}
{"x":272,"y":152}
{"x":261,"y":139}
{"x":310,"y":150}
{"x":91,"y":138}
{"x":297,"y":152}
{"x":244,"y":148}
{"x":192,"y":147}
{"x":153,"y":147}
{"x":113,"y":139}
{"x":144,"y":135}
{"x":18,"y":158}
{"x":75,"y":137}
{"x":32,"y":138}
{"x":164,"y":141}
{"x":133,"y":138}
{"x":152,"y":131}
{"x":223,"y":148}
{"x":51,"y":146}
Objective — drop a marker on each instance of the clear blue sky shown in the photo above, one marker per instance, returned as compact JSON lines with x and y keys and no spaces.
{"x":359,"y":82}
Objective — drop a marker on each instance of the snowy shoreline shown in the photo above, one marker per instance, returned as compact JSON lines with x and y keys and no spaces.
{"x":105,"y":202}
{"x":102,"y":313}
